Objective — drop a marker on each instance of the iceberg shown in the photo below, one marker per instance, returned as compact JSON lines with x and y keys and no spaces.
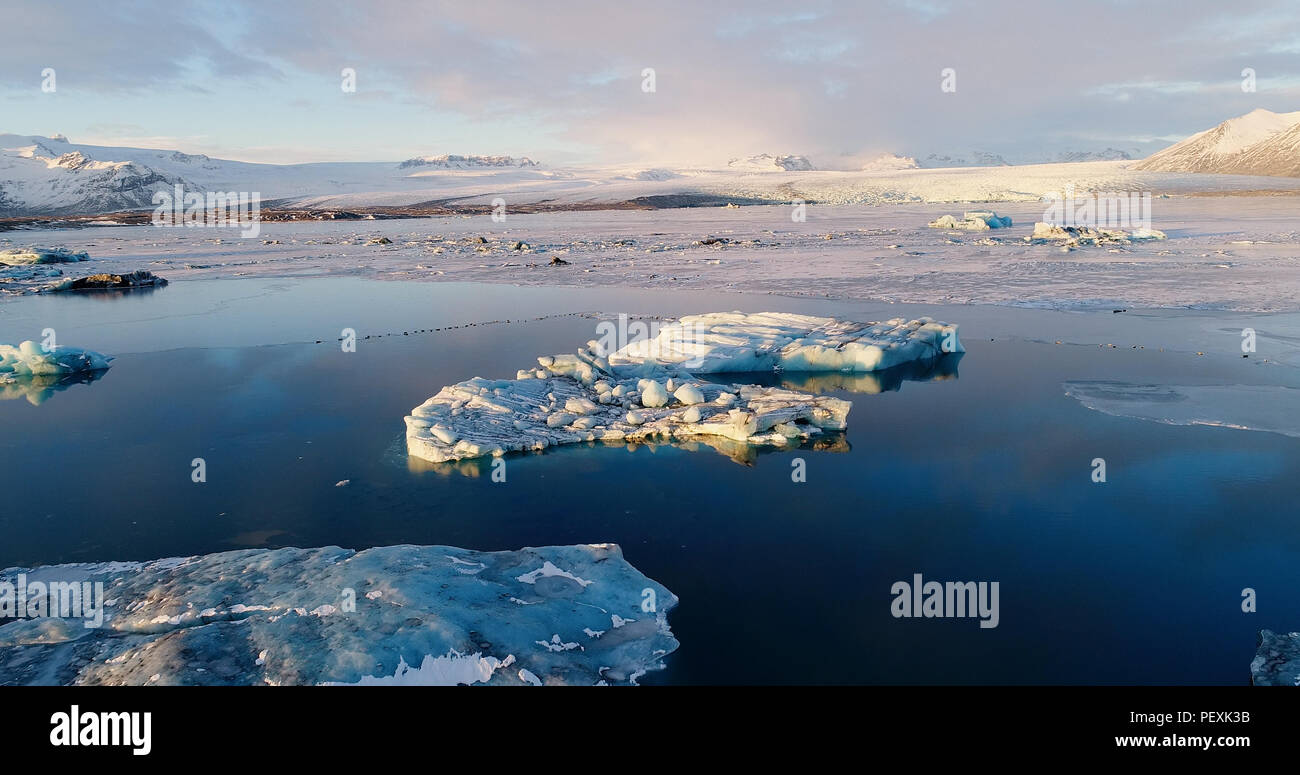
{"x":402,"y":615}
{"x":1073,"y":236}
{"x":978,"y":220}
{"x":1277,"y":659}
{"x":648,"y":391}
{"x":30,"y":359}
{"x":28,"y":256}
{"x":726,"y":342}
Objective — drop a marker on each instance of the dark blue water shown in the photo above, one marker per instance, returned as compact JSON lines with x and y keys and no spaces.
{"x":983,"y":476}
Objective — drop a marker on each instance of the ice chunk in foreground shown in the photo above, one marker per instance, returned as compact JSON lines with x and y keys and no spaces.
{"x":388,"y":615}
{"x":29,"y":359}
{"x":27,"y":256}
{"x":1277,"y":659}
{"x":626,"y":397}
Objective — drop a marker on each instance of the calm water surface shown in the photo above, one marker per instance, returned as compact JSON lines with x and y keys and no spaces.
{"x":984,"y":476}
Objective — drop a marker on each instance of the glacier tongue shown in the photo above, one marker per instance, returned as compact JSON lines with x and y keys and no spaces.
{"x":389,"y":615}
{"x":645,"y":391}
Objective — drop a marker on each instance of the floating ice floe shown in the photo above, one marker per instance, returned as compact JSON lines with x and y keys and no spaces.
{"x":1270,"y":408}
{"x":978,"y":220}
{"x":108,"y":282}
{"x":1277,"y":659}
{"x":388,"y":615}
{"x":1073,"y":236}
{"x":30,"y":359}
{"x":27,"y":256}
{"x":646,"y":391}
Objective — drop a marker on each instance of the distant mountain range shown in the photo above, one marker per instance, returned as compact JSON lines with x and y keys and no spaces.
{"x":52,"y":176}
{"x":1259,"y":143}
{"x":453,"y":162}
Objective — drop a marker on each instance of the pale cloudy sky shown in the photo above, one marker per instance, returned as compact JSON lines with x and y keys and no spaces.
{"x":561,"y":81}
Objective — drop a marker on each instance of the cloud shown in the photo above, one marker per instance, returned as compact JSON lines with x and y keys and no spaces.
{"x":820,"y":78}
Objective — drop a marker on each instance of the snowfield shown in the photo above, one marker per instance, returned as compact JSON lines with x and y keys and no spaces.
{"x":1221,"y":253}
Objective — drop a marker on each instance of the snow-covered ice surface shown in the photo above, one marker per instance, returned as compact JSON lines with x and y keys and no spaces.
{"x":1272,"y":408}
{"x":388,"y":615}
{"x":645,"y":390}
{"x":1234,"y":253}
{"x":1277,"y":659}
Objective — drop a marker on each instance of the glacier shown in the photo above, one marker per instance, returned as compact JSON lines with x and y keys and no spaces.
{"x":401,"y":614}
{"x":647,"y":391}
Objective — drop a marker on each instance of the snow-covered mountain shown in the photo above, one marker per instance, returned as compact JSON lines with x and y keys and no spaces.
{"x":453,"y":162}
{"x":50,"y":175}
{"x":53,"y":176}
{"x":1259,"y":143}
{"x":972,"y":159}
{"x":888,"y":162}
{"x":1106,"y":154}
{"x":766,"y":162}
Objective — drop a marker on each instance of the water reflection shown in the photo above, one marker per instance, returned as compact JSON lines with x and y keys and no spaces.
{"x":37,"y":388}
{"x":869,"y":382}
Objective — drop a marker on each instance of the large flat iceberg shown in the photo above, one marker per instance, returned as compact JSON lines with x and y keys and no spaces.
{"x":646,"y":391}
{"x":389,"y":615}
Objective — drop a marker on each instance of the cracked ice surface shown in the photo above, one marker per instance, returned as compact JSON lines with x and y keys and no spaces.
{"x":416,"y":616}
{"x":645,"y":391}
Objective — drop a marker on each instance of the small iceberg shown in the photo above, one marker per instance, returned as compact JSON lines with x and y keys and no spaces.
{"x":109,"y":282}
{"x":977,"y":220}
{"x":30,"y":359}
{"x":33,"y":255}
{"x":406,"y":615}
{"x":647,"y":391}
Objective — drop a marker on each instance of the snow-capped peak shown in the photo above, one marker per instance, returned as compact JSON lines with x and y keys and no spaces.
{"x":1259,"y":143}
{"x":766,"y":162}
